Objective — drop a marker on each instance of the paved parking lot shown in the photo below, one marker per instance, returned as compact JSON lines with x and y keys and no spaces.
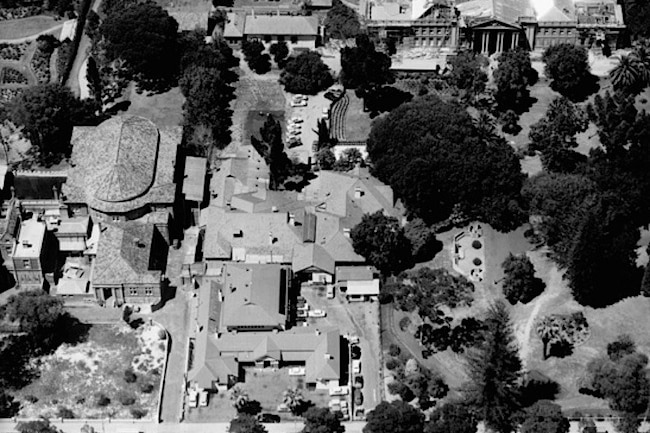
{"x":310,"y":116}
{"x":357,"y":318}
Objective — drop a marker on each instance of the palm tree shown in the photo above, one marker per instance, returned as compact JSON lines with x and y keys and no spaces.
{"x":486,"y":125}
{"x":239,"y":397}
{"x":642,"y":54}
{"x":627,"y":75}
{"x":294,"y":399}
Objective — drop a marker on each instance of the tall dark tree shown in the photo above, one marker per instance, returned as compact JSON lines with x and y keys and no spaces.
{"x":279,"y":51}
{"x":512,"y":77}
{"x":146,"y":38}
{"x":363,"y":67}
{"x":341,"y":21}
{"x":520,"y":283}
{"x":495,"y":371}
{"x":322,"y":420}
{"x":544,"y":417}
{"x":567,"y":66}
{"x":36,"y":312}
{"x":254,"y":55}
{"x":306,"y":73}
{"x":555,"y":135}
{"x":394,"y":417}
{"x":637,"y":18}
{"x":381,"y":240}
{"x":246,"y":424}
{"x":645,"y":282}
{"x":8,"y":406}
{"x":431,"y":142}
{"x":39,"y":426}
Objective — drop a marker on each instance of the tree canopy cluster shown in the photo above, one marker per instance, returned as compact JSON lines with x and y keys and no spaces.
{"x":512,"y":77}
{"x":381,"y":241}
{"x":467,"y":73}
{"x":257,"y":59}
{"x":207,"y":79}
{"x":363,"y":67}
{"x":144,"y":37}
{"x":632,"y":73}
{"x":341,"y":21}
{"x":306,"y":73}
{"x":434,"y":158}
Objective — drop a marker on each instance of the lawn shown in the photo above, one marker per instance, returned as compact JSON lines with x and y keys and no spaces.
{"x":357,"y":121}
{"x":161,"y":108}
{"x":74,"y":377}
{"x":23,"y":27}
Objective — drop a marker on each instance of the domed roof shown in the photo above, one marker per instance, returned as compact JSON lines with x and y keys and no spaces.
{"x":128,"y":168}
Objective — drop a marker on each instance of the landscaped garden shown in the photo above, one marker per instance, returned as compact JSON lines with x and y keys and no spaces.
{"x":116,"y":372}
{"x":13,"y":51}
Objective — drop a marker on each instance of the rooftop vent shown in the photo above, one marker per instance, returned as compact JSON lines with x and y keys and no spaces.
{"x":27,"y":244}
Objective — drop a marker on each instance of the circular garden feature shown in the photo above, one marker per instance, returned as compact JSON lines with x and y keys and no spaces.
{"x":477,"y":245}
{"x":477,"y":261}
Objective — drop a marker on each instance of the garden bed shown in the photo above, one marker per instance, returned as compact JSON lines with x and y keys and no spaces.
{"x":12,"y":76}
{"x":41,"y":60}
{"x":13,"y":51}
{"x":115,"y":372}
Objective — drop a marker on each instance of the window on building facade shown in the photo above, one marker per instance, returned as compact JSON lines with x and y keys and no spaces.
{"x":133,"y":292}
{"x":148,"y":292}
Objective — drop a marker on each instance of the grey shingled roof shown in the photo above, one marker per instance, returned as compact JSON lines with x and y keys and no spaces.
{"x":281,"y":25}
{"x":122,"y":164}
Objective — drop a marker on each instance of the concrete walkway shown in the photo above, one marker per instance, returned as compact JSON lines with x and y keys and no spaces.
{"x":75,"y":79}
{"x":34,"y":36}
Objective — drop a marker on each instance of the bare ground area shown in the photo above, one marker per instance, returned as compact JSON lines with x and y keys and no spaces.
{"x":73,"y":377}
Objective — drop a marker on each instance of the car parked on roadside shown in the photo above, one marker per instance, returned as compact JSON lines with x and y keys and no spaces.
{"x":339,"y":390}
{"x":356,"y":366}
{"x":317,"y":313}
{"x":355,"y":352}
{"x":296,"y":119}
{"x":193,"y":400}
{"x":358,"y":397}
{"x":268,"y":417}
{"x":203,"y":398}
{"x":358,"y":382}
{"x":282,"y":407}
{"x":299,"y":103}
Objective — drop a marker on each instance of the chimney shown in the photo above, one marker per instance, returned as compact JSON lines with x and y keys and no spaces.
{"x":328,"y":356}
{"x":317,"y":331}
{"x":274,"y":209}
{"x":56,"y":192}
{"x":27,"y":244}
{"x":358,"y":192}
{"x":136,"y":241}
{"x":292,"y":219}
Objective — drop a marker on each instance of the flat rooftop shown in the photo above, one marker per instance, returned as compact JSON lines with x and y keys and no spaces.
{"x":30,"y":240}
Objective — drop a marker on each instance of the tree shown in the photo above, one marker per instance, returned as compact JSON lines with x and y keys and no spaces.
{"x":246,"y":424}
{"x":555,"y":135}
{"x":294,"y":399}
{"x":453,"y":417}
{"x":467,"y":73}
{"x":40,"y":426}
{"x":279,"y":51}
{"x":341,"y":21}
{"x":520,"y":283}
{"x":628,"y":75}
{"x":394,"y":417}
{"x":381,"y":241}
{"x":36,"y":312}
{"x":322,"y":420}
{"x":45,"y":112}
{"x":567,"y":66}
{"x":397,"y":387}
{"x":637,"y":18}
{"x":271,"y":148}
{"x":348,"y":160}
{"x":145,"y":37}
{"x":239,"y":397}
{"x":363,"y":67}
{"x":645,"y":282}
{"x":432,"y":142}
{"x":324,"y":139}
{"x":257,"y":60}
{"x":423,"y":240}
{"x":544,"y":417}
{"x":494,"y":369}
{"x":548,"y":329}
{"x":621,"y":347}
{"x":8,"y":406}
{"x":306,"y":73}
{"x":512,"y":77}
{"x":325,"y":159}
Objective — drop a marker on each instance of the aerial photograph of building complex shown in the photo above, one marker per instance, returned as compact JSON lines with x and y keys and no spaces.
{"x":324,"y":216}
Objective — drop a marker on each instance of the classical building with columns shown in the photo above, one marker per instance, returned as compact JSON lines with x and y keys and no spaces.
{"x":490,"y":26}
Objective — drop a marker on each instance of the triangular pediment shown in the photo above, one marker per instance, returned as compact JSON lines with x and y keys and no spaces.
{"x":494,"y":24}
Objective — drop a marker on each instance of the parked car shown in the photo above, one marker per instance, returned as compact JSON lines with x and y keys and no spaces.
{"x":294,"y":127}
{"x":330,"y":291}
{"x":358,"y":382}
{"x":360,"y":413}
{"x":344,"y":405}
{"x":296,"y":119}
{"x":339,"y":390}
{"x":303,"y":307}
{"x":353,"y":339}
{"x":326,"y":111}
{"x":301,"y":97}
{"x":203,"y":398}
{"x":356,"y":366}
{"x":294,"y":142}
{"x":193,"y":400}
{"x":268,"y":417}
{"x":317,"y":313}
{"x":301,"y":313}
{"x":344,"y":414}
{"x":299,"y":103}
{"x":358,"y":397}
{"x":282,"y":407}
{"x":355,"y":352}
{"x":297,"y":371}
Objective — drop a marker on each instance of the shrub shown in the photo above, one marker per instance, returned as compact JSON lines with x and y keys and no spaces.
{"x":394,"y":350}
{"x":477,"y":245}
{"x":146,"y":387}
{"x":31,"y":398}
{"x":393,"y":363}
{"x":477,"y":261}
{"x":11,"y":76}
{"x":103,"y":400}
{"x":138,"y":413}
{"x":129,"y":376}
{"x":64,"y":412}
{"x":404,"y":323}
{"x":126,"y":399}
{"x":162,"y":334}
